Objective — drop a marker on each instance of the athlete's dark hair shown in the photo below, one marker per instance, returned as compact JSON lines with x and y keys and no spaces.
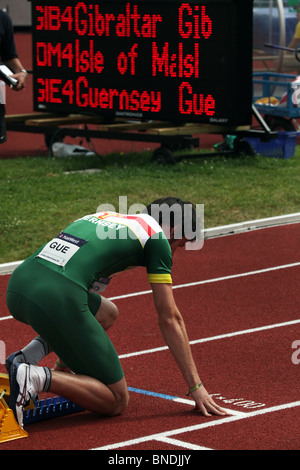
{"x":176,"y":213}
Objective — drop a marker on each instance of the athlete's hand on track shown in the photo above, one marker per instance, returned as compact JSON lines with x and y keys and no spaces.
{"x":205,"y":404}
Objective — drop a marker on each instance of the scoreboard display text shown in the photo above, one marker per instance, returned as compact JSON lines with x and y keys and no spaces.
{"x":179,"y":61}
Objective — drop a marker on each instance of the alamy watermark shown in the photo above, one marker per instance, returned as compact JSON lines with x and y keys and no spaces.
{"x":296,"y":353}
{"x":2,"y":352}
{"x":187,"y":221}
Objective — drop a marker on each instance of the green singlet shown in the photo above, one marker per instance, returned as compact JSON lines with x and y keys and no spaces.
{"x":56,"y":290}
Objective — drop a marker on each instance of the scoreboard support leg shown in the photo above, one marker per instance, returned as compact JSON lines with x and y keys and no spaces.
{"x":171,"y":137}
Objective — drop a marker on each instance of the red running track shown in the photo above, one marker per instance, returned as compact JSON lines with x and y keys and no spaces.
{"x":240,"y":299}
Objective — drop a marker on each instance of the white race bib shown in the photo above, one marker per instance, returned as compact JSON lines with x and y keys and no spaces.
{"x":61,"y":249}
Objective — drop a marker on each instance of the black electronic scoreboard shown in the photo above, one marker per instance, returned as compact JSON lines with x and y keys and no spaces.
{"x":179,"y":61}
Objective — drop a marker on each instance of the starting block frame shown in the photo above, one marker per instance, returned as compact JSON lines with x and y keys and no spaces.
{"x":9,"y":428}
{"x":36,"y":411}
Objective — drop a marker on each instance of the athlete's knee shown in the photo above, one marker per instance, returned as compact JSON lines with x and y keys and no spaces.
{"x":113,"y":313}
{"x":121,"y":403}
{"x":121,"y":395}
{"x":107,"y":314}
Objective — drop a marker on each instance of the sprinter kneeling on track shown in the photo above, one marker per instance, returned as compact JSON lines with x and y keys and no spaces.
{"x":56,"y":291}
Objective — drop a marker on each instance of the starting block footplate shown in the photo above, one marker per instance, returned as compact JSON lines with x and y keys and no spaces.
{"x":36,"y":411}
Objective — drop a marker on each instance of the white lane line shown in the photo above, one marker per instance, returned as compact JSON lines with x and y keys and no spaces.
{"x":6,"y":318}
{"x":197,"y":283}
{"x":216,"y":279}
{"x":214,"y":338}
{"x":178,"y":443}
{"x":196,"y":427}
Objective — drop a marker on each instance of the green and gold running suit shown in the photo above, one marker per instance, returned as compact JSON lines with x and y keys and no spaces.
{"x":56,"y":290}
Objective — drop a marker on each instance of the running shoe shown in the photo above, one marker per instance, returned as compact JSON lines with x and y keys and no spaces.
{"x":14,"y":358}
{"x":17,"y":358}
{"x":24,"y":381}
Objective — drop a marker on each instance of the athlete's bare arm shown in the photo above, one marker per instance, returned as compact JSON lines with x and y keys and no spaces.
{"x":174,"y":333}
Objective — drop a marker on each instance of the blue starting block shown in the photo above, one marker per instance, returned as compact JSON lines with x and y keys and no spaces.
{"x":48,"y":409}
